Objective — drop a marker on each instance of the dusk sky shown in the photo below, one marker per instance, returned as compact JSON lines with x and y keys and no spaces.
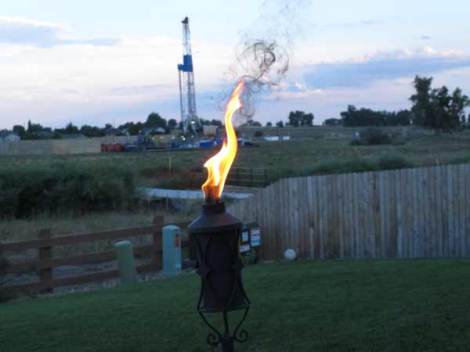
{"x":112,"y":61}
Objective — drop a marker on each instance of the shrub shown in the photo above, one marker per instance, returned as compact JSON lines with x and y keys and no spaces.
{"x":386,"y":162}
{"x":258,"y":133}
{"x":461,"y":159}
{"x":31,"y":190}
{"x":372,"y":136}
{"x":393,"y":161}
{"x":355,"y":165}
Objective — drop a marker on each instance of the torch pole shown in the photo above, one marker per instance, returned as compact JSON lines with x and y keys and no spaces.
{"x":217,"y":238}
{"x":227,"y":340}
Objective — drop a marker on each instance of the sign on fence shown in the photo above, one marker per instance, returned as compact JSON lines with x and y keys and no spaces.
{"x":250,"y":238}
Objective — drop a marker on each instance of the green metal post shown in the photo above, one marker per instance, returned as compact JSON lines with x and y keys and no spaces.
{"x":171,"y":250}
{"x":126,"y":262}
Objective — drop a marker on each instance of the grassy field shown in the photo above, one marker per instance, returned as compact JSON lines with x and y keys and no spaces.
{"x":319,"y":154}
{"x":309,"y":306}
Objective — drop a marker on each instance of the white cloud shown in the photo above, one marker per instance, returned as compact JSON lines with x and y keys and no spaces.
{"x":364,"y":70}
{"x":67,"y":82}
{"x":24,"y":31}
{"x":27,"y":31}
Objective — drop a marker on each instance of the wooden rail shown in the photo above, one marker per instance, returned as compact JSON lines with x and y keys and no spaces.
{"x":46,"y":262}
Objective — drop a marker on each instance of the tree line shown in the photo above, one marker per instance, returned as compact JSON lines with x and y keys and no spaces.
{"x":435,"y":108}
{"x":154,"y":123}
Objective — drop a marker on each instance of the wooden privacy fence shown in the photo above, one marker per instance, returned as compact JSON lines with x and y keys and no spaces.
{"x":45,"y":262}
{"x":408,"y":213}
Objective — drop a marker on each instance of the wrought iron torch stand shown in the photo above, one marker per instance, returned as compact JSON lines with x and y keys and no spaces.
{"x":217,"y":238}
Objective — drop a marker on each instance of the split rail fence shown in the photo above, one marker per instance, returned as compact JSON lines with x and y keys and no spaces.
{"x":408,"y":213}
{"x":46,"y":261}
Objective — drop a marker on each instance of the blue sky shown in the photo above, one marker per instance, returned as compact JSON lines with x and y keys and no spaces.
{"x":114,"y":61}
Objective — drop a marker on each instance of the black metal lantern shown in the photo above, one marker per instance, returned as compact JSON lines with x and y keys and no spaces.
{"x":217,"y":238}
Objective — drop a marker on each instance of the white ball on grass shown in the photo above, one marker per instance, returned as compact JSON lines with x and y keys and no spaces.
{"x":290,"y":254}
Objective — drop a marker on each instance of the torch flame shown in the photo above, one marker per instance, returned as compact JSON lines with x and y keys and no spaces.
{"x":219,"y":165}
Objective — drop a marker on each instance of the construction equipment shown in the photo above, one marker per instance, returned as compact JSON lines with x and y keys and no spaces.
{"x":189,"y":119}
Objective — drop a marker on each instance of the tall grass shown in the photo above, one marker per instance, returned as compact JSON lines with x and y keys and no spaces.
{"x":32,"y":189}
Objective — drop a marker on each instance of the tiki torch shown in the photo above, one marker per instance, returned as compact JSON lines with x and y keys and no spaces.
{"x":216,"y":234}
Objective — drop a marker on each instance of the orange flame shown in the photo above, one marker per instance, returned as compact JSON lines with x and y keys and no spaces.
{"x":219,"y":165}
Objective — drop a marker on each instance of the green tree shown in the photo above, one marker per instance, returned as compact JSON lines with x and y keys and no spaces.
{"x":172,"y":124}
{"x":217,"y":123}
{"x":132,"y":128}
{"x":91,"y":131}
{"x":34,"y":127}
{"x":19,"y":130}
{"x":155,"y":120}
{"x":280,"y":124}
{"x":253,"y":123}
{"x":437,"y":108}
{"x":458,"y":105}
{"x":35,"y":131}
{"x":353,"y":117}
{"x":421,"y":100}
{"x":300,"y":118}
{"x":70,"y":128}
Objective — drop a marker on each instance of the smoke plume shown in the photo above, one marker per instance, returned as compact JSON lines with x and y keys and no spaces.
{"x":264,"y":54}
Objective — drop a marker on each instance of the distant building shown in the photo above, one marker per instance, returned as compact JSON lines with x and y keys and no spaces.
{"x":9,"y":136}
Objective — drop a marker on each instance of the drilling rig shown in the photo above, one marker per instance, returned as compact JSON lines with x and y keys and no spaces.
{"x":189,"y":119}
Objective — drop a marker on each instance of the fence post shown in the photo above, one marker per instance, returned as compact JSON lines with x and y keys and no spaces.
{"x":45,"y":255}
{"x":157,"y":241}
{"x":171,"y":249}
{"x":126,"y":262}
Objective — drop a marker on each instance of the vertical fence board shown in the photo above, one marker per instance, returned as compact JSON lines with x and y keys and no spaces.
{"x":382,"y":214}
{"x":467,"y":208}
{"x":399,"y":215}
{"x":408,"y":219}
{"x":356,"y":215}
{"x":439,"y":212}
{"x":316,"y":195}
{"x":461,"y":216}
{"x":323,"y":216}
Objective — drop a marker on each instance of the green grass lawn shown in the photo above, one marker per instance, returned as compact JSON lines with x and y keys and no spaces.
{"x":419,"y":305}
